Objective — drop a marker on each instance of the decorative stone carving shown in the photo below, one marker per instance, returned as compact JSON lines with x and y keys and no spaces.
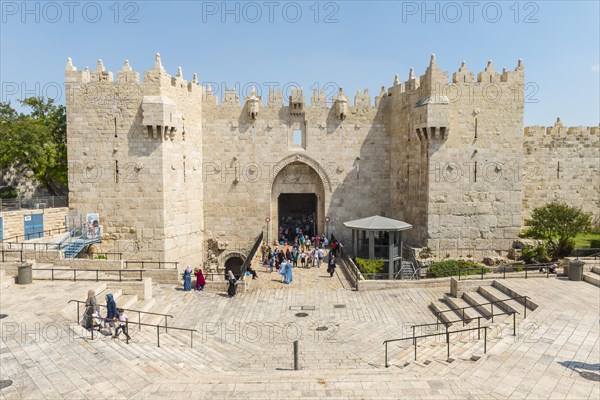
{"x":340,"y":104}
{"x":253,"y":104}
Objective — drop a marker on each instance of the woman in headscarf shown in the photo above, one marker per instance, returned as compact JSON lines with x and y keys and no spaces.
{"x":187,"y":279}
{"x":282,"y":271}
{"x":288,"y":273}
{"x":91,"y":307}
{"x":200,"y":281}
{"x":232,"y":281}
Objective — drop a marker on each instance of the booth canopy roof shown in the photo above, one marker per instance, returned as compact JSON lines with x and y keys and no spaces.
{"x":378,"y":223}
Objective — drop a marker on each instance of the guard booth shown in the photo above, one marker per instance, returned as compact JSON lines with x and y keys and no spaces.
{"x":379,"y":237}
{"x":33,"y":226}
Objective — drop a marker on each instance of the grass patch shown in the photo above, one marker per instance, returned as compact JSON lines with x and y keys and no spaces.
{"x":587,"y":240}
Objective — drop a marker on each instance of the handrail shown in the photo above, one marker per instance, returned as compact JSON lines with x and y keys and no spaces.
{"x":447,"y":334}
{"x":460,"y":320}
{"x":2,"y":251}
{"x":250,"y":256}
{"x":160,"y":263}
{"x":39,"y":234}
{"x":485,"y":304}
{"x":97,"y":271}
{"x":35,"y":245}
{"x":140,"y":324}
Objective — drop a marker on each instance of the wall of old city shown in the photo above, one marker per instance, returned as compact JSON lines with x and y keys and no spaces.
{"x":561,"y":164}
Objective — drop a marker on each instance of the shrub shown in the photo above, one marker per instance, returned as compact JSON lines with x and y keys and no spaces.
{"x":532,"y":255}
{"x":8,"y":192}
{"x":369,"y":266}
{"x":567,"y":249}
{"x":450,"y":268}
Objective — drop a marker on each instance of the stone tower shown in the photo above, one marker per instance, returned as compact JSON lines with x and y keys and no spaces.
{"x":135,"y":157}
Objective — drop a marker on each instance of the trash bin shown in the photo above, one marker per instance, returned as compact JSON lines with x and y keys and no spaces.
{"x":25,"y":274}
{"x":576,"y":270}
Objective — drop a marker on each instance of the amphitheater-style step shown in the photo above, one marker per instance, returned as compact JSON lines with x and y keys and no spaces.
{"x":470,"y":314}
{"x":520,"y":298}
{"x":475,"y":299}
{"x":492,"y":293}
{"x":592,"y":276}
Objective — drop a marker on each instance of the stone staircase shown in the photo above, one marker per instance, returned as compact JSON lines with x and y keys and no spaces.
{"x":593,"y":276}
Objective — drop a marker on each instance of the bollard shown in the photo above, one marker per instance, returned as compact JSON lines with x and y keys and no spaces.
{"x":296,"y":366}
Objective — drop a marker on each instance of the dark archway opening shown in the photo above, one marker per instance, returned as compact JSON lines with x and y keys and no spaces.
{"x":235,"y":265}
{"x":297,"y":213}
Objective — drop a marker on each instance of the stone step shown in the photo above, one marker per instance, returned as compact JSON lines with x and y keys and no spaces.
{"x":592,"y":278}
{"x":503,"y":287}
{"x":596,"y":270}
{"x":442,"y":311}
{"x":475,"y":299}
{"x":493,"y":294}
{"x":457,"y":303}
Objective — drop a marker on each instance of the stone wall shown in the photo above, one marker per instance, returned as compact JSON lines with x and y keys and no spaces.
{"x":248,"y":163}
{"x":561,"y":164}
{"x":178,"y":175}
{"x":13,"y":221}
{"x":135,"y":158}
{"x":451,"y":145}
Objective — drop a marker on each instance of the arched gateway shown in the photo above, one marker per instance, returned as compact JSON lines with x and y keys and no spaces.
{"x":298,"y":193}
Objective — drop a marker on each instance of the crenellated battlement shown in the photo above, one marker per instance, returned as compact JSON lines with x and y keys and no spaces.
{"x":558,"y":129}
{"x":157,"y":74}
{"x":435,"y":80}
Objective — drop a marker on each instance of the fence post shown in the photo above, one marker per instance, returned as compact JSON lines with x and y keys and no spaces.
{"x":492,"y":311}
{"x":415,"y":344}
{"x":526,"y":271}
{"x":166,"y":328}
{"x":485,"y":340}
{"x":514,"y":323}
{"x":120,"y":278}
{"x":141,"y":277}
{"x":478,"y":328}
{"x":158,"y":334}
{"x":78,"y":313}
{"x":448,"y":343}
{"x":74,"y":275}
{"x":414,"y":340}
{"x":386,"y":363}
{"x":504,"y":272}
{"x":296,"y":366}
{"x":481,"y":273}
{"x":139,"y":320}
{"x":463,"y":316}
{"x":525,"y":307}
{"x":127,"y":331}
{"x":52,"y":273}
{"x":191,"y":339}
{"x":96,"y":275}
{"x":459,"y":274}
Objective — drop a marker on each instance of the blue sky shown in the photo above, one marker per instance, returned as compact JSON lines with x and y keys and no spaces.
{"x":352,"y":44}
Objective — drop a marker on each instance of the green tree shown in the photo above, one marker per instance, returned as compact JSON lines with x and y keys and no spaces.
{"x":36,"y":142}
{"x":557,"y":224}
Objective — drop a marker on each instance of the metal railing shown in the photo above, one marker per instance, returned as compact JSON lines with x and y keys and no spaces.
{"x":475,"y":306}
{"x":29,"y":246}
{"x":140,"y":324}
{"x":587,"y":252}
{"x":448,"y":323}
{"x":34,"y":203}
{"x":161,"y":264}
{"x":3,"y":251}
{"x":251,"y":255}
{"x":95,"y":255}
{"x":96,"y":271}
{"x":447,"y":334}
{"x":36,"y":235}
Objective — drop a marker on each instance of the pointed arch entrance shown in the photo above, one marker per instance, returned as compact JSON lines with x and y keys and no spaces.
{"x":298,"y":199}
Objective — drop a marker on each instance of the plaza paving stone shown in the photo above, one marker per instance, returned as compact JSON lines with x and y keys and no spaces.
{"x":243,"y":345}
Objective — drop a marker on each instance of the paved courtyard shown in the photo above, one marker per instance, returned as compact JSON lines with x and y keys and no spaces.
{"x":243,"y":346}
